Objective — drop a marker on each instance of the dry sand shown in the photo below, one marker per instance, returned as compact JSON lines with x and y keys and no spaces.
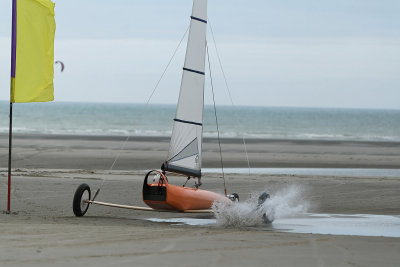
{"x":42,"y":231}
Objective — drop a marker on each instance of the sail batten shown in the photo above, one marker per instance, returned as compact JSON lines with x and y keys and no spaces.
{"x":199,"y":19}
{"x":189,"y":122}
{"x":184,"y":154}
{"x":195,"y":71}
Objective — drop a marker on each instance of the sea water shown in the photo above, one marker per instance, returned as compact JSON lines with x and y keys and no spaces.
{"x":110,"y":119}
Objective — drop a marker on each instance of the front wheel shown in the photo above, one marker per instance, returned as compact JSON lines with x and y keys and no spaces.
{"x":80,"y":204}
{"x":234,"y":197}
{"x":267,"y":218}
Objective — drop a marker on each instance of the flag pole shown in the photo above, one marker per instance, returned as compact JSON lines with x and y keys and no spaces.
{"x":12,"y":84}
{"x":9,"y":162}
{"x":36,"y":64}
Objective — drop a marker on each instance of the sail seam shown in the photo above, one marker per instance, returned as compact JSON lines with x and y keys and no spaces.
{"x":176,"y":158}
{"x":195,"y":71}
{"x":188,"y":122}
{"x":172,"y":160}
{"x":198,"y":19}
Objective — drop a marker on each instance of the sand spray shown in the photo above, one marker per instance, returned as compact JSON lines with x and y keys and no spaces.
{"x":285,"y":202}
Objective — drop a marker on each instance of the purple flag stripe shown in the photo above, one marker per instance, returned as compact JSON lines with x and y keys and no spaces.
{"x":14,"y":38}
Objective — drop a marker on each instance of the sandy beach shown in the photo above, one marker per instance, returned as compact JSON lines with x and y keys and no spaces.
{"x":42,"y":230}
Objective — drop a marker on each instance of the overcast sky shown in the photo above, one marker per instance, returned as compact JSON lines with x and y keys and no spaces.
{"x":312,"y":53}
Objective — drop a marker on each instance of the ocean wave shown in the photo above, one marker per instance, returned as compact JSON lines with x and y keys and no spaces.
{"x":254,"y":122}
{"x":207,"y":134}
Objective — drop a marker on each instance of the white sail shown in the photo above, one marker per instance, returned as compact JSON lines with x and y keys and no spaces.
{"x":184,"y":154}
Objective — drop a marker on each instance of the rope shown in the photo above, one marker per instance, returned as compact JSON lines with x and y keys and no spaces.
{"x":216,"y":119}
{"x":229,"y":93}
{"x":145,"y":108}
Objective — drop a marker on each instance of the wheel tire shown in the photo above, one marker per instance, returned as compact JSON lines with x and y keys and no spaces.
{"x":236,"y":196}
{"x":262,"y":198}
{"x":78,"y":205}
{"x":267,"y":219}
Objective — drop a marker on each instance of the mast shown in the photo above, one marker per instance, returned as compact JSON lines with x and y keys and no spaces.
{"x":184,"y":154}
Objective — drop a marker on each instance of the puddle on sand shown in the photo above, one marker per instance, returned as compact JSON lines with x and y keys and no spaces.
{"x":187,"y":221}
{"x":314,"y":223}
{"x":310,"y":171}
{"x":341,"y":224}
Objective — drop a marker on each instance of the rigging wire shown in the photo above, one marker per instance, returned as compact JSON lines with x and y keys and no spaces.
{"x":166,"y":67}
{"x":145,"y":108}
{"x":229,"y":93}
{"x":216,"y":119}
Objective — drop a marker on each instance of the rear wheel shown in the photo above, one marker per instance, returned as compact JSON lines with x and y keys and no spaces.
{"x":80,"y":204}
{"x":267,"y":219}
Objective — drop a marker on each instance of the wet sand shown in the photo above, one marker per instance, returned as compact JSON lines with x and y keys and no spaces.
{"x":42,"y":230}
{"x":138,"y":153}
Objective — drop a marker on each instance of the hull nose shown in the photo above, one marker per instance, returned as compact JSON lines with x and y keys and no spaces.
{"x":163,"y":196}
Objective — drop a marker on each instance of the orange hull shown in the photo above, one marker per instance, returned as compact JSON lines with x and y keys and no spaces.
{"x":163,"y":196}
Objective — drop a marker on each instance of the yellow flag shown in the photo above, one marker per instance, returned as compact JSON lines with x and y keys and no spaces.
{"x":32,"y":66}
